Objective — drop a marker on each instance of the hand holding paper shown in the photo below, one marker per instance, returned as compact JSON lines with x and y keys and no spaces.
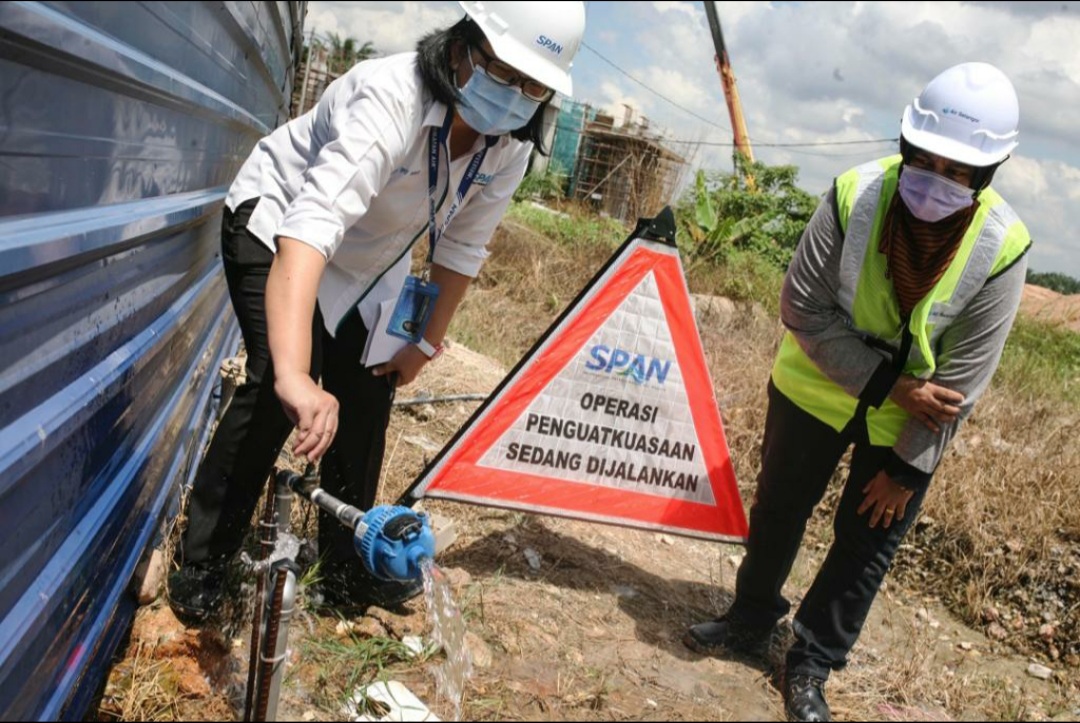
{"x":381,"y":347}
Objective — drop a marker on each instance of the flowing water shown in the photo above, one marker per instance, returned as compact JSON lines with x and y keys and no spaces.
{"x":286,"y":546}
{"x":448,"y":633}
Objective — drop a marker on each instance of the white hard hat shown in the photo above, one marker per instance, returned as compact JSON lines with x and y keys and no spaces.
{"x":538,"y":38}
{"x":969,"y":113}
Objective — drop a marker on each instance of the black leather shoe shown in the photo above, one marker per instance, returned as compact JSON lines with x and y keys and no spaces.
{"x":392,"y":594}
{"x":722,"y":635}
{"x":355,"y":588}
{"x":804,"y":698}
{"x":196,"y":592}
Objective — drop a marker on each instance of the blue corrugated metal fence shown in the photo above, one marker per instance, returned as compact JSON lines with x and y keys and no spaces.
{"x":121,"y":125}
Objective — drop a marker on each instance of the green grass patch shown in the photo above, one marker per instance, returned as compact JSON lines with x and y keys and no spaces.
{"x":344,"y":664}
{"x":1041,"y":361}
{"x":743,"y":276}
{"x":570,"y":227}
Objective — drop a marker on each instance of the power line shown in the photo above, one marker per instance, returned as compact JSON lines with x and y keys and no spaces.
{"x":731,"y":144}
{"x":655,"y":92}
{"x":794,"y":145}
{"x":753,"y":142}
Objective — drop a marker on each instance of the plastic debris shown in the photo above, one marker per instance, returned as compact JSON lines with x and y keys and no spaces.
{"x":388,"y":701}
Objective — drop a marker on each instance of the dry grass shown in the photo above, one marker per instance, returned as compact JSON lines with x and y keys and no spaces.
{"x":1000,"y":530}
{"x":1004,"y":528}
{"x":140,"y":689}
{"x":526,"y":283}
{"x":170,"y":674}
{"x":1001,"y":524}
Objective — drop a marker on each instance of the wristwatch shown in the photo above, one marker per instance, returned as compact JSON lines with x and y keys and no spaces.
{"x":431,"y":352}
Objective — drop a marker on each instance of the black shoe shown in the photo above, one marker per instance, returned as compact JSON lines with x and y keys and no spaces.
{"x":804,"y":698}
{"x":355,"y":588}
{"x":393,"y":594}
{"x":722,"y":635}
{"x":196,"y":592}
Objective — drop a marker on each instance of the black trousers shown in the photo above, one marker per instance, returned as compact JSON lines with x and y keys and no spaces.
{"x":799,"y":455}
{"x":254,"y":427}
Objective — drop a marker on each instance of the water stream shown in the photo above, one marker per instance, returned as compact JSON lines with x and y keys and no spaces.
{"x":448,"y":633}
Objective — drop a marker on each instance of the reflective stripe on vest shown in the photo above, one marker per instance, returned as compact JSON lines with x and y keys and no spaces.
{"x":994,"y":240}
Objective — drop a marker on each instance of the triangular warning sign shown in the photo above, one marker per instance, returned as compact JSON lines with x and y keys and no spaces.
{"x":611,"y":417}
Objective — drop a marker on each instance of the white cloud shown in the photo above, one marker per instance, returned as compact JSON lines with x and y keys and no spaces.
{"x":613,"y":100}
{"x":663,"y":6}
{"x":392,"y":27}
{"x":1052,"y":189}
{"x":684,"y":90}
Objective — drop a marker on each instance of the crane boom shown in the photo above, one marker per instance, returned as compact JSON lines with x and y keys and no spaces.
{"x":727,"y":79}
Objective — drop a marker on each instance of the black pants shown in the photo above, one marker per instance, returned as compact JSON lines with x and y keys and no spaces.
{"x":799,"y":455}
{"x":254,"y":427}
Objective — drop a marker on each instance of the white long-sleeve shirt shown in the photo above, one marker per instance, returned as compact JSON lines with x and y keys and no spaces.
{"x":350,"y":179}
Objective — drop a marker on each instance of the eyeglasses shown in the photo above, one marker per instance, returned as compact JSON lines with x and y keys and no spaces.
{"x":503,"y":74}
{"x":953,"y":170}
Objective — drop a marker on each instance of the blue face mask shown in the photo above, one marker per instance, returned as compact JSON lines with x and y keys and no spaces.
{"x":491,"y":108}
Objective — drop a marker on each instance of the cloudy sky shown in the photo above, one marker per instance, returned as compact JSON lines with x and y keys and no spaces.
{"x":823,"y":74}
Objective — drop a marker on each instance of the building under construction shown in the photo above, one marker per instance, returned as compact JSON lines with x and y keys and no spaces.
{"x":312,"y":79}
{"x":625,"y":172}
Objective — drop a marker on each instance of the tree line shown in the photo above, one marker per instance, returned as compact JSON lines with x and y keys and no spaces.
{"x":1061,"y":283}
{"x":341,"y":52}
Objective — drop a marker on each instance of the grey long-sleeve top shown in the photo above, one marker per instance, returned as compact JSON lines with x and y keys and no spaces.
{"x":967,"y":356}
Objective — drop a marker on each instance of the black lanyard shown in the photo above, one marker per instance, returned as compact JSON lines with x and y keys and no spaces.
{"x":437,"y":139}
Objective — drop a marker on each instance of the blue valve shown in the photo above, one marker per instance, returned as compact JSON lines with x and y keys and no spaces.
{"x":393,"y":541}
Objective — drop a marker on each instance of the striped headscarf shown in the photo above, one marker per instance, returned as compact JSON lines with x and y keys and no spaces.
{"x":918,"y":252}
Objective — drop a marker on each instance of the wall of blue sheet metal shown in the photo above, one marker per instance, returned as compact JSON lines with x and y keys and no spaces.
{"x":121,"y":126}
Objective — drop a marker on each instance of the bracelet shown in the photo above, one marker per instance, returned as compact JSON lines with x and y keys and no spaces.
{"x":426,"y":348}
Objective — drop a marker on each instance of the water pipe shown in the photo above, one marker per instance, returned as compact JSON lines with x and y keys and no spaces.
{"x":280,"y":605}
{"x":392,"y":540}
{"x":267,"y":537}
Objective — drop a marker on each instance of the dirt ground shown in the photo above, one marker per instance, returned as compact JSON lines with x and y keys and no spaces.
{"x":1049,"y":305}
{"x":570,"y":620}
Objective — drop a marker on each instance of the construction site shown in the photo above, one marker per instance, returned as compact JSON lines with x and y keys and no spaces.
{"x":556,"y":568}
{"x":625,"y":171}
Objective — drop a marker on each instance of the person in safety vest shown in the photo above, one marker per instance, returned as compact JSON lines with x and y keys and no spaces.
{"x":897,"y":305}
{"x":420,"y":147}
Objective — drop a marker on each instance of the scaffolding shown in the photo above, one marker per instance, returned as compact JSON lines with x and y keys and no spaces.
{"x":313,"y":78}
{"x":570,"y":123}
{"x":625,"y":172}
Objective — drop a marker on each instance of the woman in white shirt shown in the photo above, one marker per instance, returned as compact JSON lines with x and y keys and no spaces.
{"x":427,"y":147}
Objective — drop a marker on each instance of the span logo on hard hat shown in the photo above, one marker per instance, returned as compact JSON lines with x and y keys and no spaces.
{"x":548,"y":44}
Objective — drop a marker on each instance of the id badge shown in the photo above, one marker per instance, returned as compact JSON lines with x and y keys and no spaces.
{"x":413,"y":309}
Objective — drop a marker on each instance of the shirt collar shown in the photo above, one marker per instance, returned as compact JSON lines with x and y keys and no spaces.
{"x":436,"y":114}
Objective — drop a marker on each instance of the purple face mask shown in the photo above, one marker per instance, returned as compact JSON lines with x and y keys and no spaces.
{"x":931,"y":197}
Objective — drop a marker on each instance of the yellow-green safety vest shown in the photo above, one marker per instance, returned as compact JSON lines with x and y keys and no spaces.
{"x":995,"y":239}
